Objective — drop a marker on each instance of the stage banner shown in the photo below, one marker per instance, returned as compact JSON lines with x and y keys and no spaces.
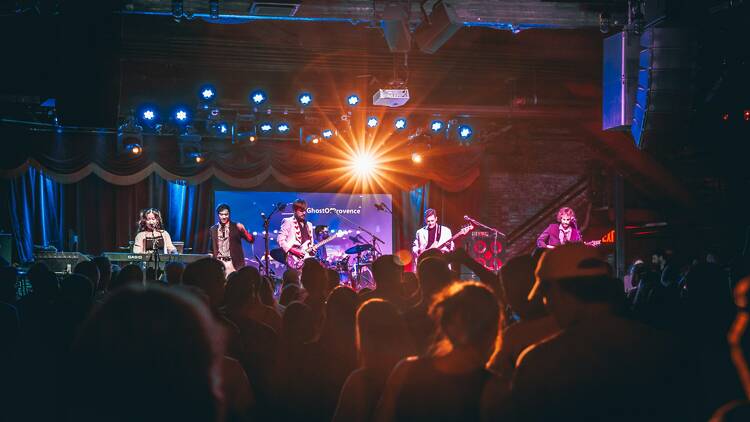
{"x":350,"y":213}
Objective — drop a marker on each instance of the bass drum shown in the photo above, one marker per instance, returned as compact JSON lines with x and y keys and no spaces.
{"x":366,"y":279}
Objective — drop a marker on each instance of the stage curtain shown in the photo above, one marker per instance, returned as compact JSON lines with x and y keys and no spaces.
{"x":73,"y":157}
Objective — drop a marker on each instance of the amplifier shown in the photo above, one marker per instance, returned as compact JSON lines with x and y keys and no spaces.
{"x":60,"y":262}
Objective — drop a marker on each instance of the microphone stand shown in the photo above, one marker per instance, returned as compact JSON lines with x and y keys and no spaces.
{"x":266,"y":242}
{"x":383,"y":207}
{"x":492,"y":229}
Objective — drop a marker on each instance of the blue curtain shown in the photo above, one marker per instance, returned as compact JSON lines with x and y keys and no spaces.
{"x":36,"y":214}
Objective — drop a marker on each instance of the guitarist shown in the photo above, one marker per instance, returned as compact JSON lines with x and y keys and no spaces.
{"x":565,"y":231}
{"x":295,"y":230}
{"x":431,"y":235}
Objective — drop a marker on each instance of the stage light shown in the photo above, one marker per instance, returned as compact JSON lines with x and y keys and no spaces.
{"x":364,"y":164}
{"x":305,"y":99}
{"x":252,"y":138}
{"x":746,"y":115}
{"x":437,"y":126}
{"x":134,"y":149}
{"x":416,"y":158}
{"x":328,"y":133}
{"x":313,"y":139}
{"x":149,"y":115}
{"x":400,"y":123}
{"x":372,"y":122}
{"x":465,"y":132}
{"x":222,"y":128}
{"x":181,"y":115}
{"x":283,"y":127}
{"x":207,"y":93}
{"x":265,"y":127}
{"x":258,"y":97}
{"x":352,"y":100}
{"x":197,"y":157}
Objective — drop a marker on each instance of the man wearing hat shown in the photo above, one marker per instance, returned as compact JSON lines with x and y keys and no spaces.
{"x":600,"y":366}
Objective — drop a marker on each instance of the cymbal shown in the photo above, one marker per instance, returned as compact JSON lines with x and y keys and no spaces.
{"x":358,"y":249}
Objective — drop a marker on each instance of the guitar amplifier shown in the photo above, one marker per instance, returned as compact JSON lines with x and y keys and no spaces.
{"x":60,"y":262}
{"x":486,"y":249}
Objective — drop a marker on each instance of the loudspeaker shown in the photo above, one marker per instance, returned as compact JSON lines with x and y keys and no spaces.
{"x":619,"y":80}
{"x":396,"y":27}
{"x":663,"y":98}
{"x":443,"y":23}
{"x":487,"y":249}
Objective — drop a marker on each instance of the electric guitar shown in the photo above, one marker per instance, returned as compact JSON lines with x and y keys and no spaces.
{"x":435,"y":245}
{"x":309,"y":250}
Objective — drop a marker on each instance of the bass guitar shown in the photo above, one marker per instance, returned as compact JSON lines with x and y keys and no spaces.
{"x":308,"y":250}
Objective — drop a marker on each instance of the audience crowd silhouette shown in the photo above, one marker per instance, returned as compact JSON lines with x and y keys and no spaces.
{"x":555,"y":337}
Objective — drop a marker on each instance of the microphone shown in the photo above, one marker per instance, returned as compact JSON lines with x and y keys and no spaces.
{"x":379,"y":206}
{"x":469,"y":219}
{"x":281,"y":206}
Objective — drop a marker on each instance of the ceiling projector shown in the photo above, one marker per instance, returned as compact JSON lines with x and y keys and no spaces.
{"x":391,"y":97}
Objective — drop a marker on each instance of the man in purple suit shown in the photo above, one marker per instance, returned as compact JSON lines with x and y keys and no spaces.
{"x":565,"y":231}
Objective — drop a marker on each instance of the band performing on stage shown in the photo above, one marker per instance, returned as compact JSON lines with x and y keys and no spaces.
{"x":299,"y":240}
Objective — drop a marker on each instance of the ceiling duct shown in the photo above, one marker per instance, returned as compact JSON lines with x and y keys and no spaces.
{"x":274,"y":8}
{"x":395,"y":22}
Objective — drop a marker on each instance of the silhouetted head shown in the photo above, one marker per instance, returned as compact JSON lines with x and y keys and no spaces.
{"x":105,"y":272}
{"x":90,"y":270}
{"x":518,"y":279}
{"x":382,"y":335}
{"x":208,"y":275}
{"x":129,"y":274}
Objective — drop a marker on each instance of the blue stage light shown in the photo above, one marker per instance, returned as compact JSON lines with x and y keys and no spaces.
{"x":437,"y":126}
{"x":222,"y":128}
{"x":258,"y":97}
{"x":283,"y":127}
{"x":305,"y":99}
{"x":182,"y":115}
{"x":148,"y":114}
{"x":328,"y":133}
{"x":352,"y":100}
{"x":265,"y":127}
{"x":372,"y":122}
{"x":207,"y":93}
{"x":465,"y":132}
{"x":400,"y":123}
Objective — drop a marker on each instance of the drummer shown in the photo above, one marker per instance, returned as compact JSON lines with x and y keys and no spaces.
{"x":321,"y":233}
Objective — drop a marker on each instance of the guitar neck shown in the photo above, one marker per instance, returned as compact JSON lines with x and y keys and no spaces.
{"x":454,"y":237}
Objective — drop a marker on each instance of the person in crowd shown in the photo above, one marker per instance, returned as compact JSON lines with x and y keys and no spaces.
{"x":382,"y":341}
{"x":173,"y":272}
{"x":129,"y":274}
{"x":534,"y":322}
{"x":387,"y":271}
{"x":90,"y":270}
{"x":447,"y":384}
{"x":105,"y":276}
{"x":591,"y":369}
{"x":126,"y":367}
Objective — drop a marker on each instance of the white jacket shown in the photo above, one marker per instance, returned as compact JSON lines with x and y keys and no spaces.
{"x":420,"y":242}
{"x":289,"y":233}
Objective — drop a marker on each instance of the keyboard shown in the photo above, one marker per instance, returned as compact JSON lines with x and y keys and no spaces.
{"x":130,"y":257}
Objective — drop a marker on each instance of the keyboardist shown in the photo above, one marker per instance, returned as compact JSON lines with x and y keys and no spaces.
{"x":151,"y":232}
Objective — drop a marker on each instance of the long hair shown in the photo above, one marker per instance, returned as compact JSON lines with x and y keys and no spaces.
{"x":142,"y":219}
{"x":566,"y":211}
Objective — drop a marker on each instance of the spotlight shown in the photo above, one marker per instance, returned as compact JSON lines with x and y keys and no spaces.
{"x":207,"y":93}
{"x":416,"y":158}
{"x":465,"y":132}
{"x":352,"y":100}
{"x":258,"y":97}
{"x":328,"y":133}
{"x":222,"y":128}
{"x":181,"y":115}
{"x":305,"y":99}
{"x":372,"y":122}
{"x":746,"y":115}
{"x":197,"y":157}
{"x":437,"y":126}
{"x":364,"y":164}
{"x":252,"y":138}
{"x":400,"y":123}
{"x":148,"y":114}
{"x":134,"y":149}
{"x":265,"y":127}
{"x":313,"y":139}
{"x":283,"y":127}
